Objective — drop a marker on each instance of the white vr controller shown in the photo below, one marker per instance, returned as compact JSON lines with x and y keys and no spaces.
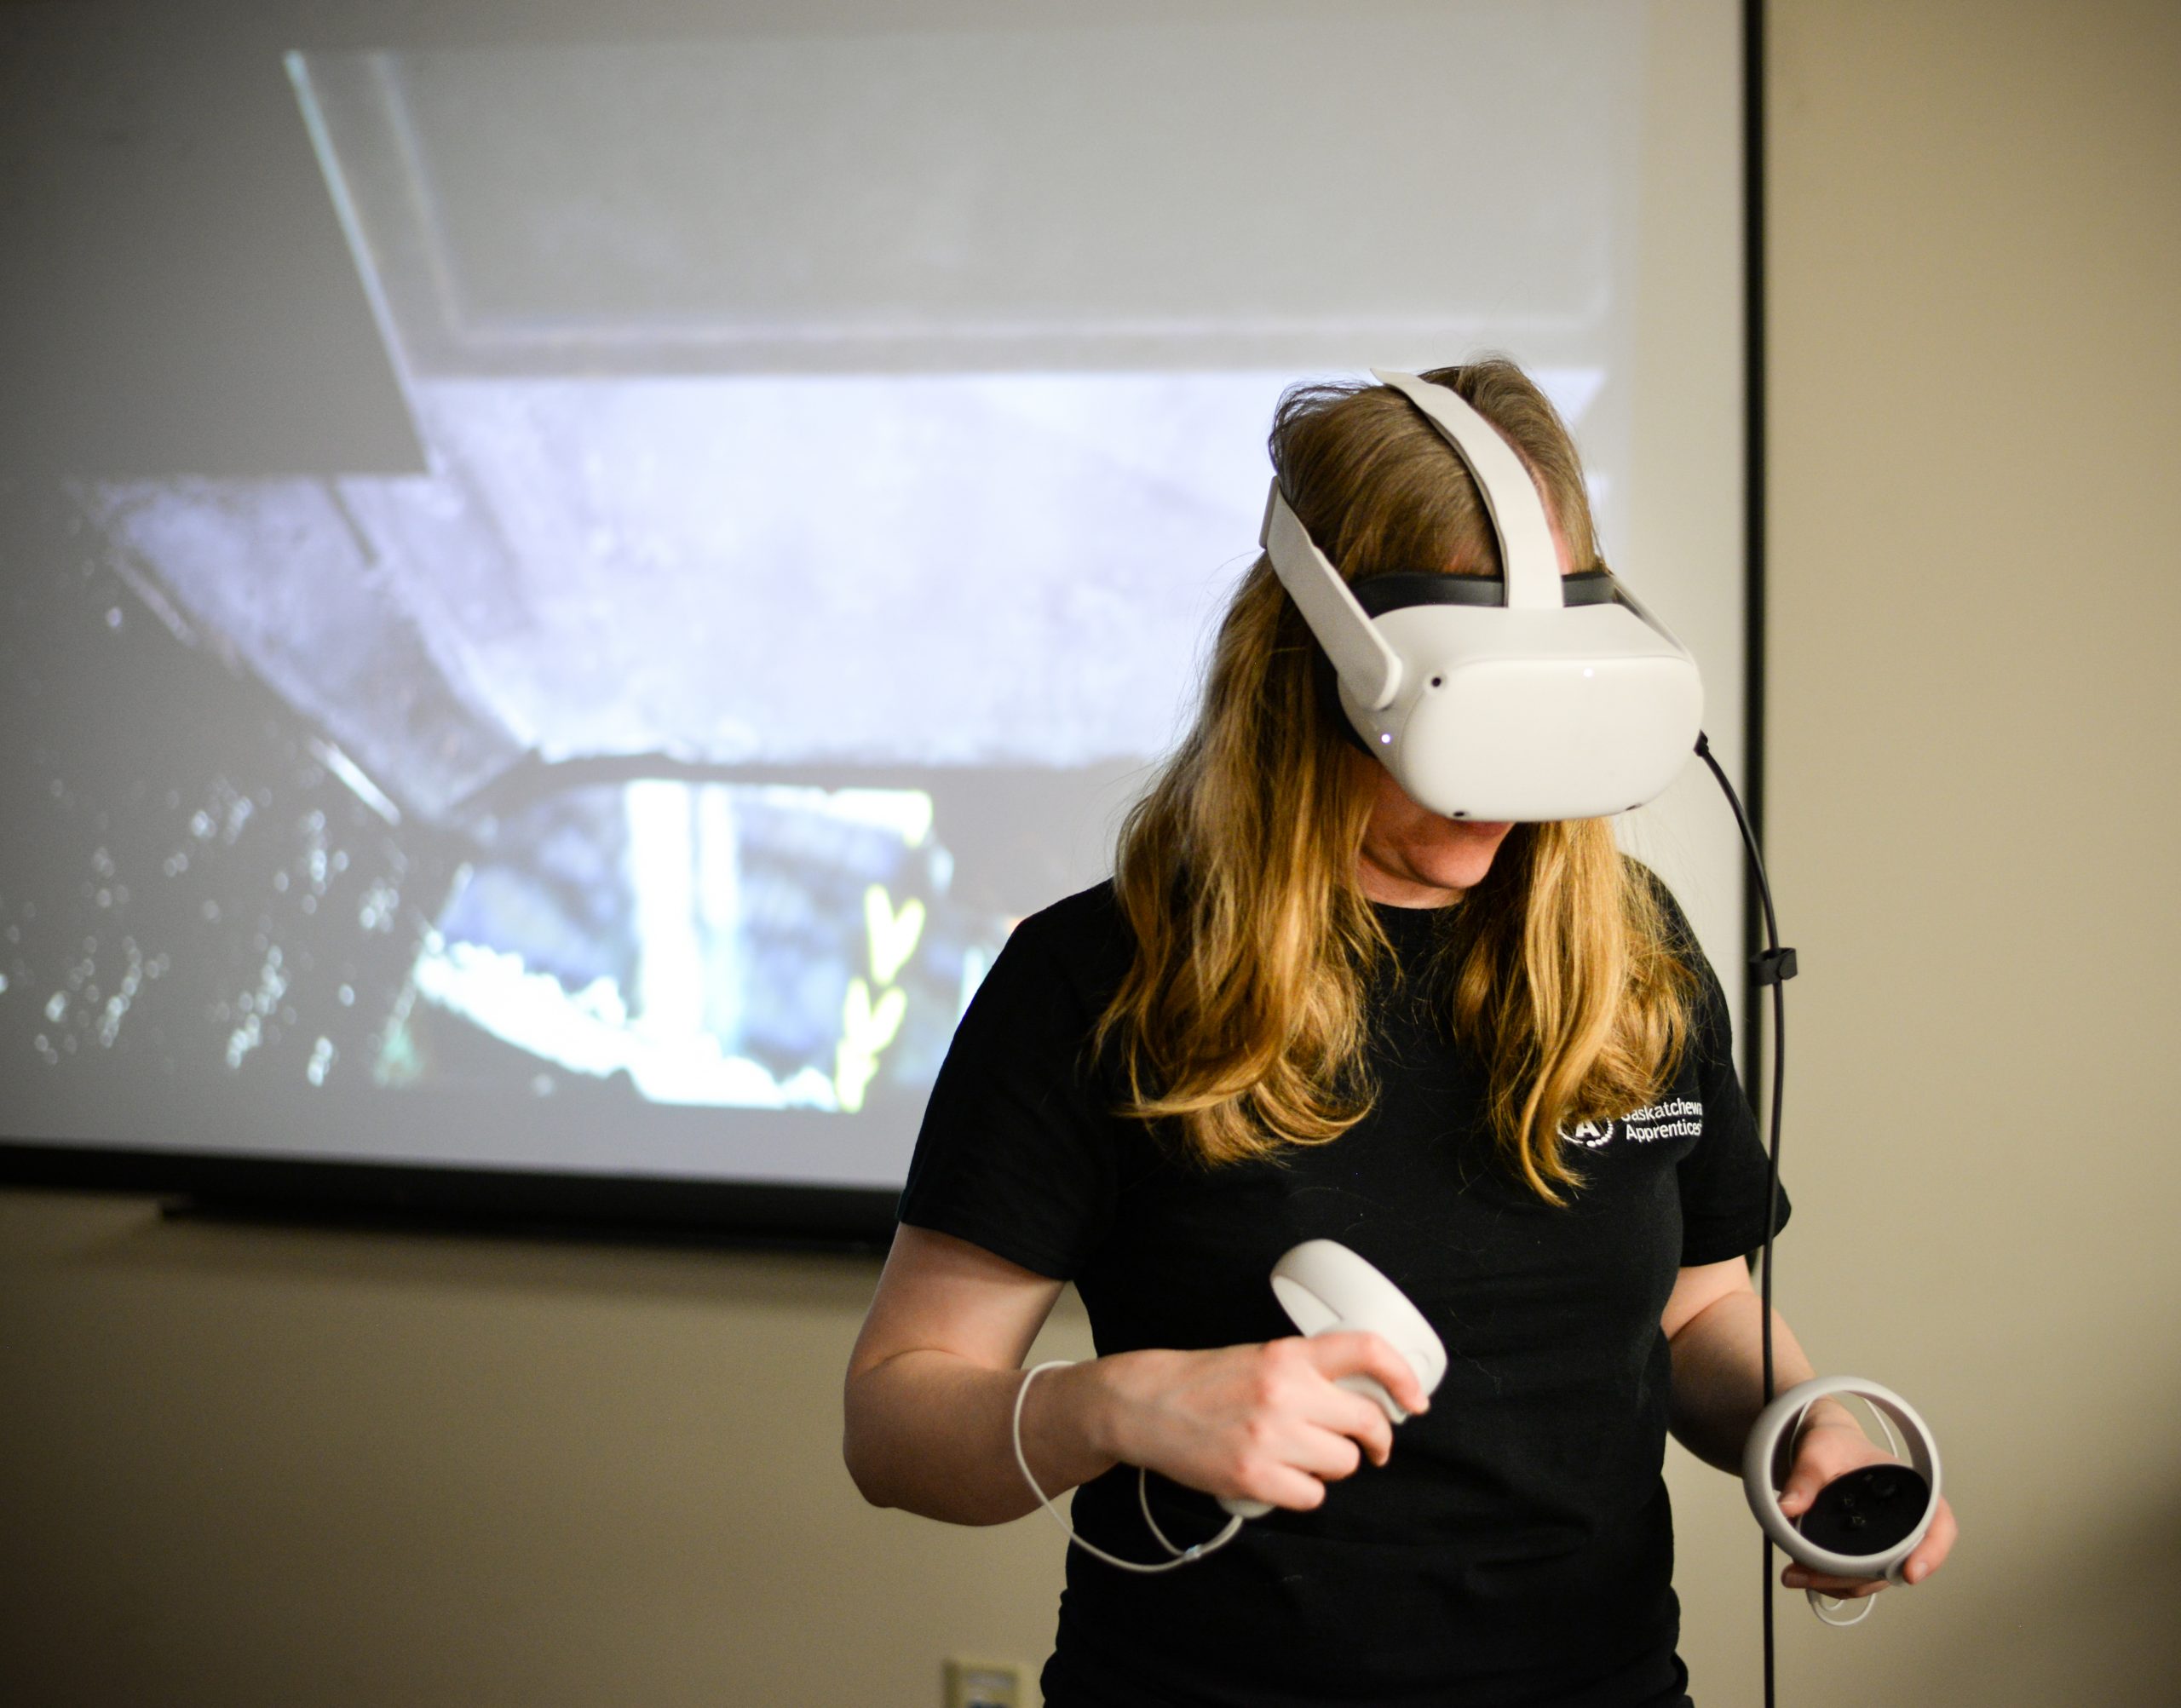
{"x":1863,"y":1525}
{"x":1325,"y":1288}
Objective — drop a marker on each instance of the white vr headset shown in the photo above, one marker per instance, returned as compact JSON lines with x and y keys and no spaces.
{"x":1531,"y":698}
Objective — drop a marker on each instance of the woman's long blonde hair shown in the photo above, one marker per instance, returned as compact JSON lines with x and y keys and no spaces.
{"x":1241,"y":1026}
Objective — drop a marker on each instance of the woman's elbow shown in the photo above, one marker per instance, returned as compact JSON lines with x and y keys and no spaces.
{"x":858,"y":1451}
{"x":877,"y":1444}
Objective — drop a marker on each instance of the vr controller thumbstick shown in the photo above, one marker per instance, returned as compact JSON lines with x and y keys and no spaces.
{"x":1325,"y":1288}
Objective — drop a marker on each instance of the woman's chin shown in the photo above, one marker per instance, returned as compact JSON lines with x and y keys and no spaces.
{"x":1435,"y":868}
{"x":1463,"y":853}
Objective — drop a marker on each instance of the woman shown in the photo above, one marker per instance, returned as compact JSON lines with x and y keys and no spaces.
{"x":1489,"y":1058}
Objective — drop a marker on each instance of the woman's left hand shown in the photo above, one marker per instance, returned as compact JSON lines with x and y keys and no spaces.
{"x":1831,"y":1447}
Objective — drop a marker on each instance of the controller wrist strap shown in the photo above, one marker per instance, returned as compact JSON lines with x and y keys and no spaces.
{"x":1181,"y":1556}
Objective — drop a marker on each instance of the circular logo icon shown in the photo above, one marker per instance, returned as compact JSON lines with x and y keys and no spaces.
{"x":1590,"y":1134}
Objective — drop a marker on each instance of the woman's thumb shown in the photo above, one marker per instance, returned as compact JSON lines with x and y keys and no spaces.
{"x":1800,"y":1489}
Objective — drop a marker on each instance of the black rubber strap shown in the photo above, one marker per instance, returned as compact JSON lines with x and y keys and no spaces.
{"x":1398,"y":590}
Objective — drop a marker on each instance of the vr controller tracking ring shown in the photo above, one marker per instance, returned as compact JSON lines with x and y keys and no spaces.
{"x":1863,"y":1525}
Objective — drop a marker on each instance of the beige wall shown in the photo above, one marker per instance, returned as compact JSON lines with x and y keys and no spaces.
{"x":260,"y":1467}
{"x":252,"y":1468}
{"x":1975,"y":730}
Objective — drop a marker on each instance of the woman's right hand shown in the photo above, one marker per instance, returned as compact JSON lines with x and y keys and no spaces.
{"x":1265,"y":1422}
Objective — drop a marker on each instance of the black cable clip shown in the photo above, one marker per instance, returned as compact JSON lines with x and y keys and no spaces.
{"x":1775,"y":966}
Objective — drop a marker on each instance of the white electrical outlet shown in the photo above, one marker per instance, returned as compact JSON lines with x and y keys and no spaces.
{"x":983,"y":1684}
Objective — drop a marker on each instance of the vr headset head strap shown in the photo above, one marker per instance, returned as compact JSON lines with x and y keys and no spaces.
{"x":1530,"y":562}
{"x":1527,"y":552}
{"x":1360,"y":653}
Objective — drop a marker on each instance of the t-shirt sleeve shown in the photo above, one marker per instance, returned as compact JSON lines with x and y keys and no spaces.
{"x":1722,"y":1177}
{"x":1016,"y":1152}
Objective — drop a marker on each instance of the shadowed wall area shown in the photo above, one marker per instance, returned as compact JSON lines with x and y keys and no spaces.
{"x":245,"y":1466}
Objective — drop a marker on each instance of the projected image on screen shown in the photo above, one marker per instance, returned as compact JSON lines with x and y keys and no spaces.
{"x":823,"y":480}
{"x":616,"y":642}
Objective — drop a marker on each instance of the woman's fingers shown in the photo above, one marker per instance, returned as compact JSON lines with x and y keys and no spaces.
{"x":1306,"y":1428}
{"x":1357,"y":1352}
{"x":1827,"y":1450}
{"x":1355,"y":1416}
{"x":1290,"y":1464}
{"x":1325,"y":1421}
{"x":1844,"y":1589}
{"x":1272,"y":1421}
{"x":1938,"y":1542}
{"x":1280,"y":1485}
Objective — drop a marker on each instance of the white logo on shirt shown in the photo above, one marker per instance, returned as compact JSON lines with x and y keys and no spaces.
{"x":1678,"y":1118}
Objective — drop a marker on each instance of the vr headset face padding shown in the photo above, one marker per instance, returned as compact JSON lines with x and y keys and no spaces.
{"x":1531,"y":698}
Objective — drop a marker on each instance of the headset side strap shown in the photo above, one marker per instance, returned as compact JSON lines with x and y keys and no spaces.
{"x":1360,"y":656}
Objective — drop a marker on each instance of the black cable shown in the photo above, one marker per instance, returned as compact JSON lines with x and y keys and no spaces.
{"x":1754,"y":237}
{"x":1775,"y":966}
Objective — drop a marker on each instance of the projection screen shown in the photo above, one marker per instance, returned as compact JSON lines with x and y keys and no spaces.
{"x":569,"y":581}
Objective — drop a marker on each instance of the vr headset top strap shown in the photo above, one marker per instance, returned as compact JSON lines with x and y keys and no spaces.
{"x":1527,"y":552}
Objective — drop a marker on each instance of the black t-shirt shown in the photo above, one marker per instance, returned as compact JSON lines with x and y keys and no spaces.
{"x":1518,"y":1548}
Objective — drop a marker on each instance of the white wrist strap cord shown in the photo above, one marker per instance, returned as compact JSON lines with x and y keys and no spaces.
{"x":1182,"y":1556}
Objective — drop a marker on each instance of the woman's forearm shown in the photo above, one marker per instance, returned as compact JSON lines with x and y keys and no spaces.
{"x":929,"y":1431}
{"x":1718,"y":1376}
